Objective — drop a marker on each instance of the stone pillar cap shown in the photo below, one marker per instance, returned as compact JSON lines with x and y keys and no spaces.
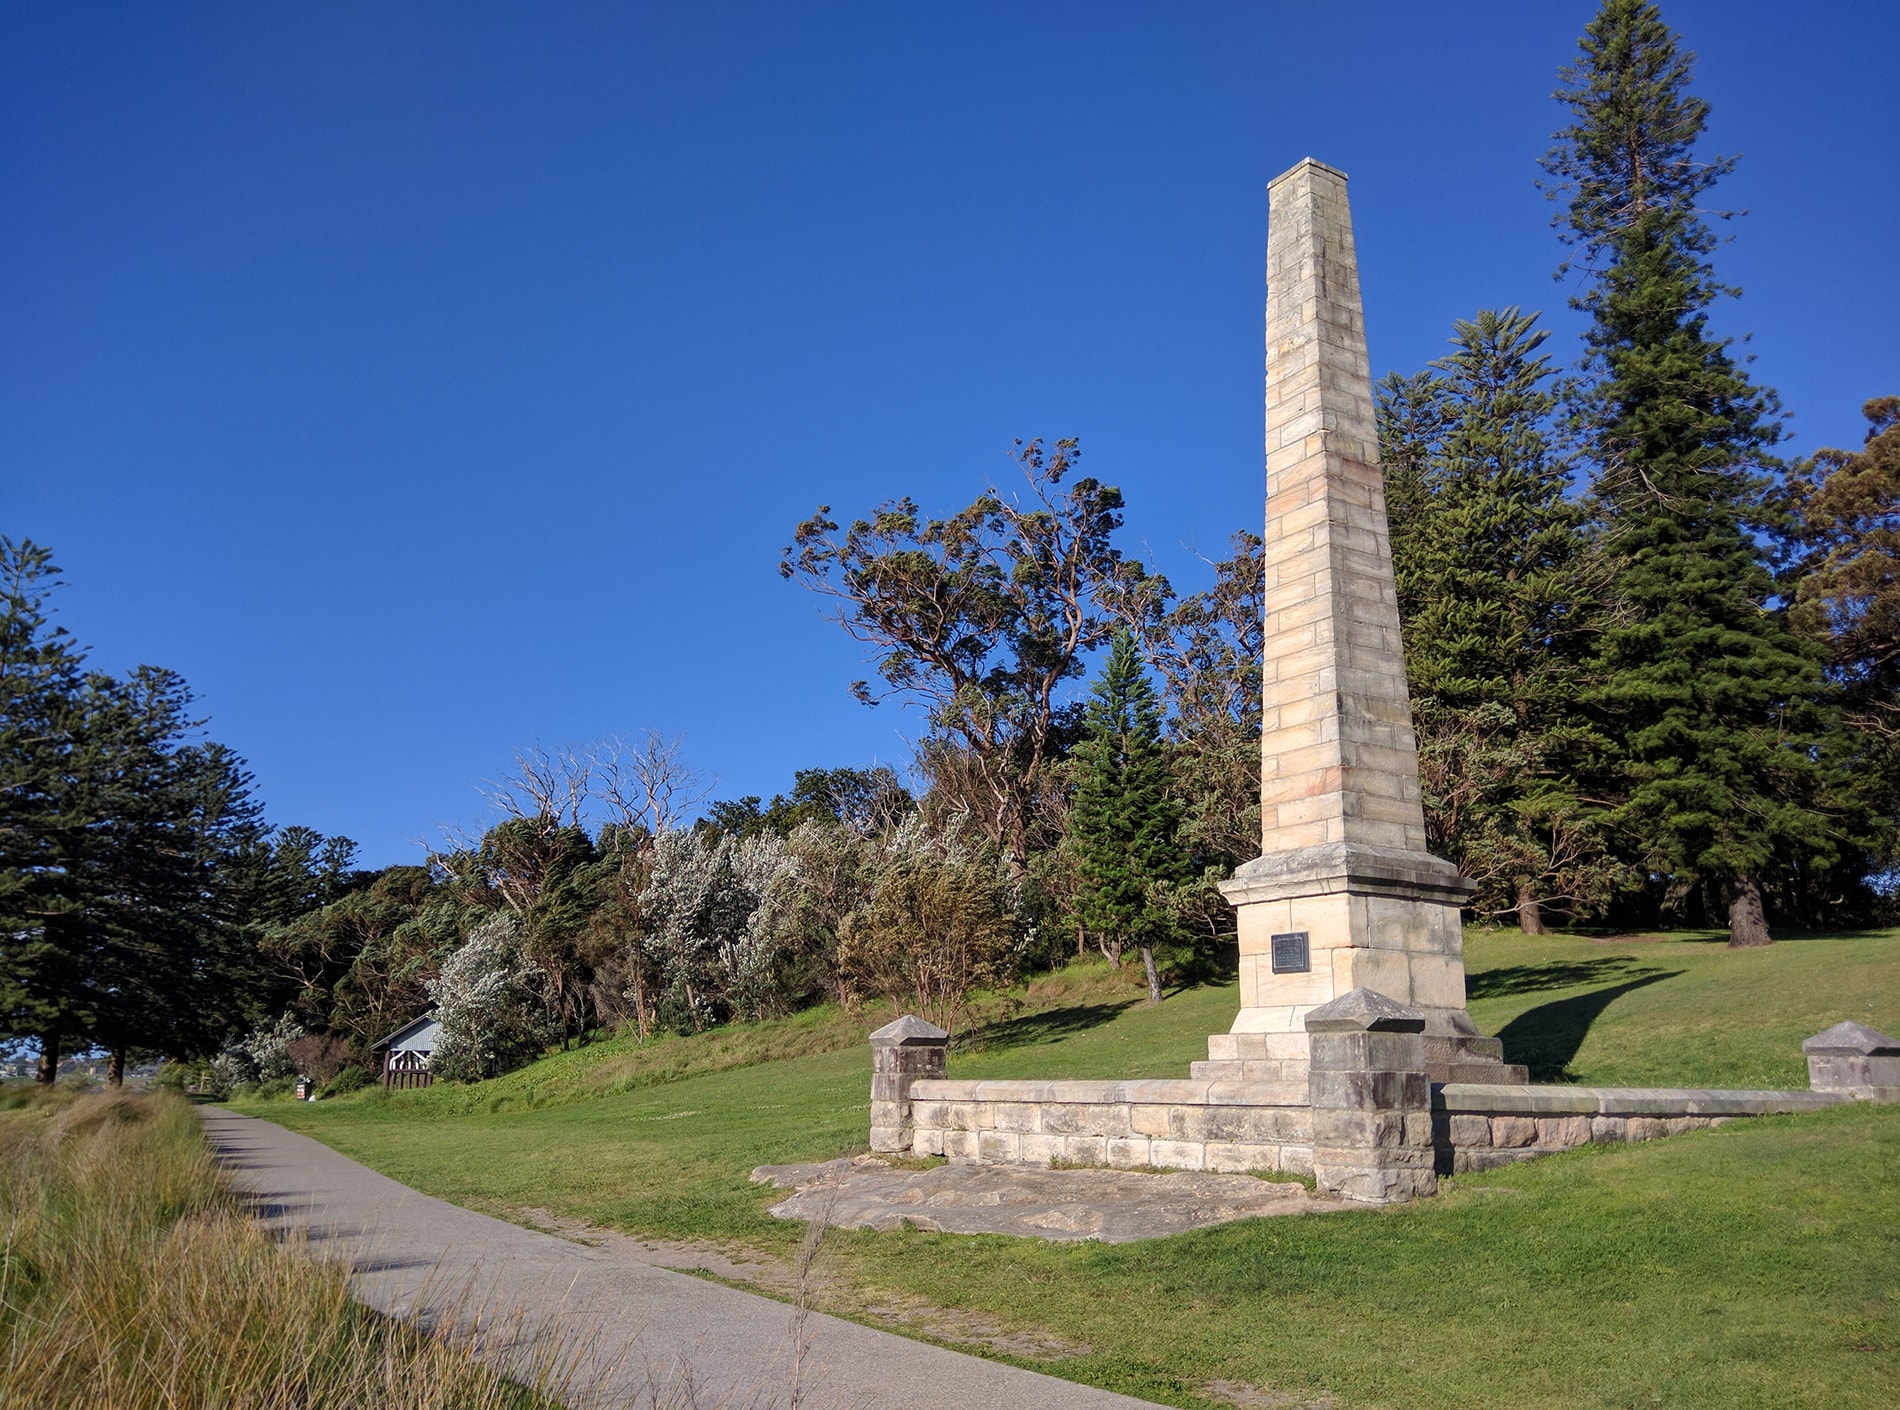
{"x":1855,"y":1038}
{"x":1363,"y":1011}
{"x":1300,"y":165}
{"x":909,"y":1031}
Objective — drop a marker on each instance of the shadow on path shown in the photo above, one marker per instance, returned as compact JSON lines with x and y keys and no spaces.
{"x":1546,"y":1038}
{"x":1044,"y":1027}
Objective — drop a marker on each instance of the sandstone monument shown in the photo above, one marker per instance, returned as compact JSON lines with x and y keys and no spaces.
{"x":1352,"y":1059}
{"x":1344,"y":895}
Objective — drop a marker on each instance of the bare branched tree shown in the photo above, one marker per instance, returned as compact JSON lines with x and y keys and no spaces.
{"x":546,"y":786}
{"x":645,"y":783}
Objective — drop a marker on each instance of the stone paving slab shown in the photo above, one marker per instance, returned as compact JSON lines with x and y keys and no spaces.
{"x":1111,"y":1206}
{"x":631,"y":1326}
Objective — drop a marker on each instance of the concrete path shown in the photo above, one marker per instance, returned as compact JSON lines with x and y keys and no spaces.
{"x":637,"y":1334}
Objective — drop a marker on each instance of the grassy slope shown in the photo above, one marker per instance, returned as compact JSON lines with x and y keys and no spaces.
{"x":1758,"y":1264}
{"x":1680,"y":1012}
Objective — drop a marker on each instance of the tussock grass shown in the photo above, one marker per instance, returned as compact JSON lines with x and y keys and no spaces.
{"x":132,"y":1276}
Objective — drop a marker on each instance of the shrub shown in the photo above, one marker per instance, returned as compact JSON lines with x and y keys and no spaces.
{"x":718,"y":911}
{"x":939,"y":923}
{"x":319,"y":1056}
{"x":268,"y":1048}
{"x":353,"y":1078}
{"x":489,"y":1000}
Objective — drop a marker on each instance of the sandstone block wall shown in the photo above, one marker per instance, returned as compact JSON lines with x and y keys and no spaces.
{"x":1479,"y":1126}
{"x":1365,"y":1120}
{"x":1224,"y":1126}
{"x":1852,"y":1059}
{"x":901,"y":1053}
{"x":1268,"y":1126}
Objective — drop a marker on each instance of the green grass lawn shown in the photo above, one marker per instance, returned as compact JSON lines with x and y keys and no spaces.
{"x":1758,"y":1264}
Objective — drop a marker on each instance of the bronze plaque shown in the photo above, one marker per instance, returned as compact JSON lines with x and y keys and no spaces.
{"x":1291,"y":953}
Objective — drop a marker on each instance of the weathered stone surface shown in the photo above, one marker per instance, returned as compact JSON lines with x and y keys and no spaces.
{"x":1467,"y":1132}
{"x":1363,"y":1011}
{"x":1370,"y":1098}
{"x":903,"y":1054}
{"x":1855,"y":1039}
{"x":1625,"y":1101}
{"x":1853,"y":1060}
{"x":1561,"y":1132}
{"x":908,"y":1032}
{"x":1112,"y":1206}
{"x":1510,"y":1131}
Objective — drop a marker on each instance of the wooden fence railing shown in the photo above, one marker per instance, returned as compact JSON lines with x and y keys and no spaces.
{"x":404,"y":1070}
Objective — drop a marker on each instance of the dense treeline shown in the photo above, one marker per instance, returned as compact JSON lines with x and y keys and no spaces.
{"x":1653,"y":671}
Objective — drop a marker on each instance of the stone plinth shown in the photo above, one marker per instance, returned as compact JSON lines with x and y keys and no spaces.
{"x":1854,"y":1060}
{"x":902,"y":1054}
{"x":1345,"y":895}
{"x":1371,"y":1100}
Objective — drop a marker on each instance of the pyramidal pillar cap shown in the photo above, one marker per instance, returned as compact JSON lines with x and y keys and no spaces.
{"x":1363,"y":1011}
{"x":909,"y":1031}
{"x":1301,"y":165}
{"x":1855,"y":1039}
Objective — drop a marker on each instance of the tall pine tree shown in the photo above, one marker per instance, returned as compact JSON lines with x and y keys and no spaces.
{"x":1124,"y":825}
{"x":45,"y":949}
{"x":1711,"y":700}
{"x":120,"y":836}
{"x":1494,"y":594}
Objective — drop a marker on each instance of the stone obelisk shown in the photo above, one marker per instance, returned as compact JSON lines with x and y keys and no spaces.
{"x":1345,"y":894}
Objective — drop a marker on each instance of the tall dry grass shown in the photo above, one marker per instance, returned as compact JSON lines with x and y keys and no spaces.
{"x":133,"y":1278}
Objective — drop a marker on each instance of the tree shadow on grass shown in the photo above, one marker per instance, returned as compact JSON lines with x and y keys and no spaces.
{"x":1044,"y":1027}
{"x":1545,"y":1039}
{"x":1553,"y":974}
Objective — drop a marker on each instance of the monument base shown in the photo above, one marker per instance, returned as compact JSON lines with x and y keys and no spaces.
{"x":1318,"y":922}
{"x":1282,"y":1057}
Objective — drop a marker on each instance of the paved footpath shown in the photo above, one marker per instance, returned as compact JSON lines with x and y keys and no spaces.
{"x":631,"y":1327}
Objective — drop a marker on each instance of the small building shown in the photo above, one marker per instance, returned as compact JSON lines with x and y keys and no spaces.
{"x":406,"y":1053}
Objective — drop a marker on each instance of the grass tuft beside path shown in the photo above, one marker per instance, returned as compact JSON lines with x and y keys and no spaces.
{"x":1757,"y":1264}
{"x":132,"y":1277}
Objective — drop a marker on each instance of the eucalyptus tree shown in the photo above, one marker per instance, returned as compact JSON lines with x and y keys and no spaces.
{"x":982,"y":618}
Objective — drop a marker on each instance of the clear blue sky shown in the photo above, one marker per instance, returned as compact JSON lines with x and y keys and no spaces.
{"x":423,"y":380}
